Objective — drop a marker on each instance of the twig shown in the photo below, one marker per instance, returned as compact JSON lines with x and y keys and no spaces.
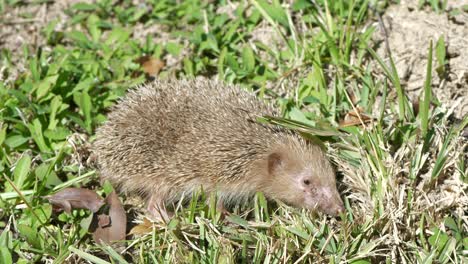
{"x":388,"y":52}
{"x":22,"y":21}
{"x":29,"y":206}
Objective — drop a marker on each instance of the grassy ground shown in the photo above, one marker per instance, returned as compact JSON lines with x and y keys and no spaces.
{"x":401,"y":163}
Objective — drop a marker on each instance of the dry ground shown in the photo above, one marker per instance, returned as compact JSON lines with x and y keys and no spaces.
{"x":409,"y":31}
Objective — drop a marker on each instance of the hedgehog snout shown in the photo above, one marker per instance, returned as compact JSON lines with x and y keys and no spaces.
{"x":334,"y":209}
{"x":331,"y":202}
{"x":325,"y":199}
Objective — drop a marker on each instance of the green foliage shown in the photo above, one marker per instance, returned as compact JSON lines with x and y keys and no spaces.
{"x":49,"y":113}
{"x":426,"y":100}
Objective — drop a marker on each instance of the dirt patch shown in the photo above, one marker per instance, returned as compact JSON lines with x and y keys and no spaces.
{"x":23,"y":25}
{"x":409,"y":31}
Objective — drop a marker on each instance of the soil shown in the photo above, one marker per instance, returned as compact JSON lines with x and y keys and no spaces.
{"x":409,"y":32}
{"x":23,"y":25}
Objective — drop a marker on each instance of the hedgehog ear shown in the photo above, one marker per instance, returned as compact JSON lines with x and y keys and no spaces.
{"x":274,"y":161}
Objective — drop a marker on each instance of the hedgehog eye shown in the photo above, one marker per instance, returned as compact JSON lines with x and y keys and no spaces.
{"x":306,"y":182}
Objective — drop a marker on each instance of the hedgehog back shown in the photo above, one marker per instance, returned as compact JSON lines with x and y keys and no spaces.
{"x":173,"y":136}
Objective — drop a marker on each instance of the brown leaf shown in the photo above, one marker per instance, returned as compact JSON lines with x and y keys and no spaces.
{"x":142,"y":229}
{"x":76,"y":198}
{"x":352,"y":118}
{"x":151,"y":66}
{"x":112,"y":226}
{"x":103,"y":220}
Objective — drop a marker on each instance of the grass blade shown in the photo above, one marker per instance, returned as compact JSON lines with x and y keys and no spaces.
{"x":426,"y":102}
{"x":21,"y":172}
{"x":392,"y":74}
{"x":447,"y":145}
{"x":87,"y":256}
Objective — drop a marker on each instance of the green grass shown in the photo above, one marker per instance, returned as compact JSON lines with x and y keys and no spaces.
{"x":403,"y":175}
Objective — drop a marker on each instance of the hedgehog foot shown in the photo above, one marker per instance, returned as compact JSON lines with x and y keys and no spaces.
{"x":157,"y":210}
{"x":219,"y":207}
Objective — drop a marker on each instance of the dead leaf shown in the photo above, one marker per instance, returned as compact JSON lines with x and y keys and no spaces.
{"x":142,"y":229}
{"x":151,"y":66}
{"x":103,"y":220}
{"x":352,"y":118}
{"x":110,"y":227}
{"x":76,"y":198}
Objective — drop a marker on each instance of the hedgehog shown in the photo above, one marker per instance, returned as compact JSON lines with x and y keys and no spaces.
{"x":167,"y":139}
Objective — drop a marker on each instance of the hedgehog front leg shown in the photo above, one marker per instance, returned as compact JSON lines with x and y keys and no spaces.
{"x":219,"y":205}
{"x":157,"y":209}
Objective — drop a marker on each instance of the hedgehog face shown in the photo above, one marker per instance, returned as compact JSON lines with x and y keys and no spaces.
{"x":302,"y":184}
{"x":318,"y":194}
